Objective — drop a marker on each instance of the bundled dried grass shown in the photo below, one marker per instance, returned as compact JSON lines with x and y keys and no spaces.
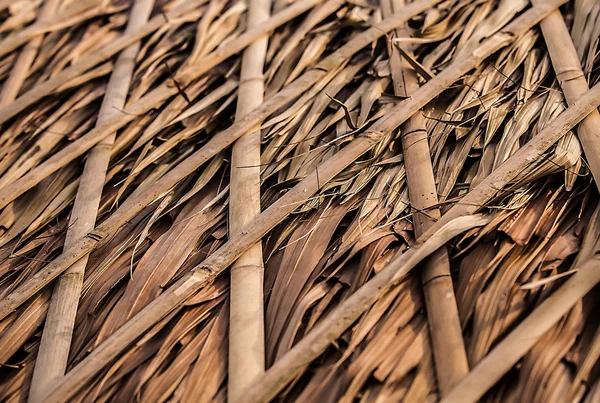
{"x":373,"y":136}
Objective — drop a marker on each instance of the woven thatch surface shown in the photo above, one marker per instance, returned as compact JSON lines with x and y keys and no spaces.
{"x":479,"y":92}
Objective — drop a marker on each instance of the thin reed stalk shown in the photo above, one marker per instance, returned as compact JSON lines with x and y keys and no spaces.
{"x":51,"y":362}
{"x":246,"y":312}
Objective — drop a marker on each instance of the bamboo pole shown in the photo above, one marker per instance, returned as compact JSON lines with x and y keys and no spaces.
{"x":163,"y":92}
{"x":450,"y":356}
{"x":283,"y":371}
{"x":53,"y":354}
{"x":573,"y":83}
{"x":225,"y":138}
{"x":20,"y":69}
{"x":518,"y":342}
{"x":246,"y":312}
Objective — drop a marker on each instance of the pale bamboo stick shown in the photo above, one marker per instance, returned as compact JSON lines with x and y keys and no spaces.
{"x":518,"y":342}
{"x":450,"y":356}
{"x":246,"y":312}
{"x":53,"y":355}
{"x":20,"y":69}
{"x":287,"y":367}
{"x":160,"y":94}
{"x":573,"y":83}
{"x":223,"y":139}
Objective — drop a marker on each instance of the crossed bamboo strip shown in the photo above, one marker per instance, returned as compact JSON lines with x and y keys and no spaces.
{"x":514,"y":346}
{"x":219,"y":142}
{"x":573,"y":83}
{"x":20,"y":70}
{"x":518,"y":342}
{"x":77,"y":12}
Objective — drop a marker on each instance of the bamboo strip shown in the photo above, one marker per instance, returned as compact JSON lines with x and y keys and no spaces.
{"x":223,"y":139}
{"x":51,"y":362}
{"x":246,"y":312}
{"x":162,"y":93}
{"x":513,"y":347}
{"x":450,"y":356}
{"x":20,"y":69}
{"x":286,"y":368}
{"x":573,"y":83}
{"x":307,"y":349}
{"x":518,"y":342}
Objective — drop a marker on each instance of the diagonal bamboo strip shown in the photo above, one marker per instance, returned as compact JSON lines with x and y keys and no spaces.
{"x":450,"y":356}
{"x":222,"y":140}
{"x":47,"y":87}
{"x":573,"y":83}
{"x":246,"y":312}
{"x":286,"y":368}
{"x":518,"y":342}
{"x":20,"y":70}
{"x":513,"y":347}
{"x":160,"y":94}
{"x":51,"y":361}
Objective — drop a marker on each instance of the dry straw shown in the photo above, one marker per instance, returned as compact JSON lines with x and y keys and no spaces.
{"x":368,"y":155}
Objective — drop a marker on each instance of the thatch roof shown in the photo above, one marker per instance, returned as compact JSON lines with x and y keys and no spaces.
{"x":307,"y":200}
